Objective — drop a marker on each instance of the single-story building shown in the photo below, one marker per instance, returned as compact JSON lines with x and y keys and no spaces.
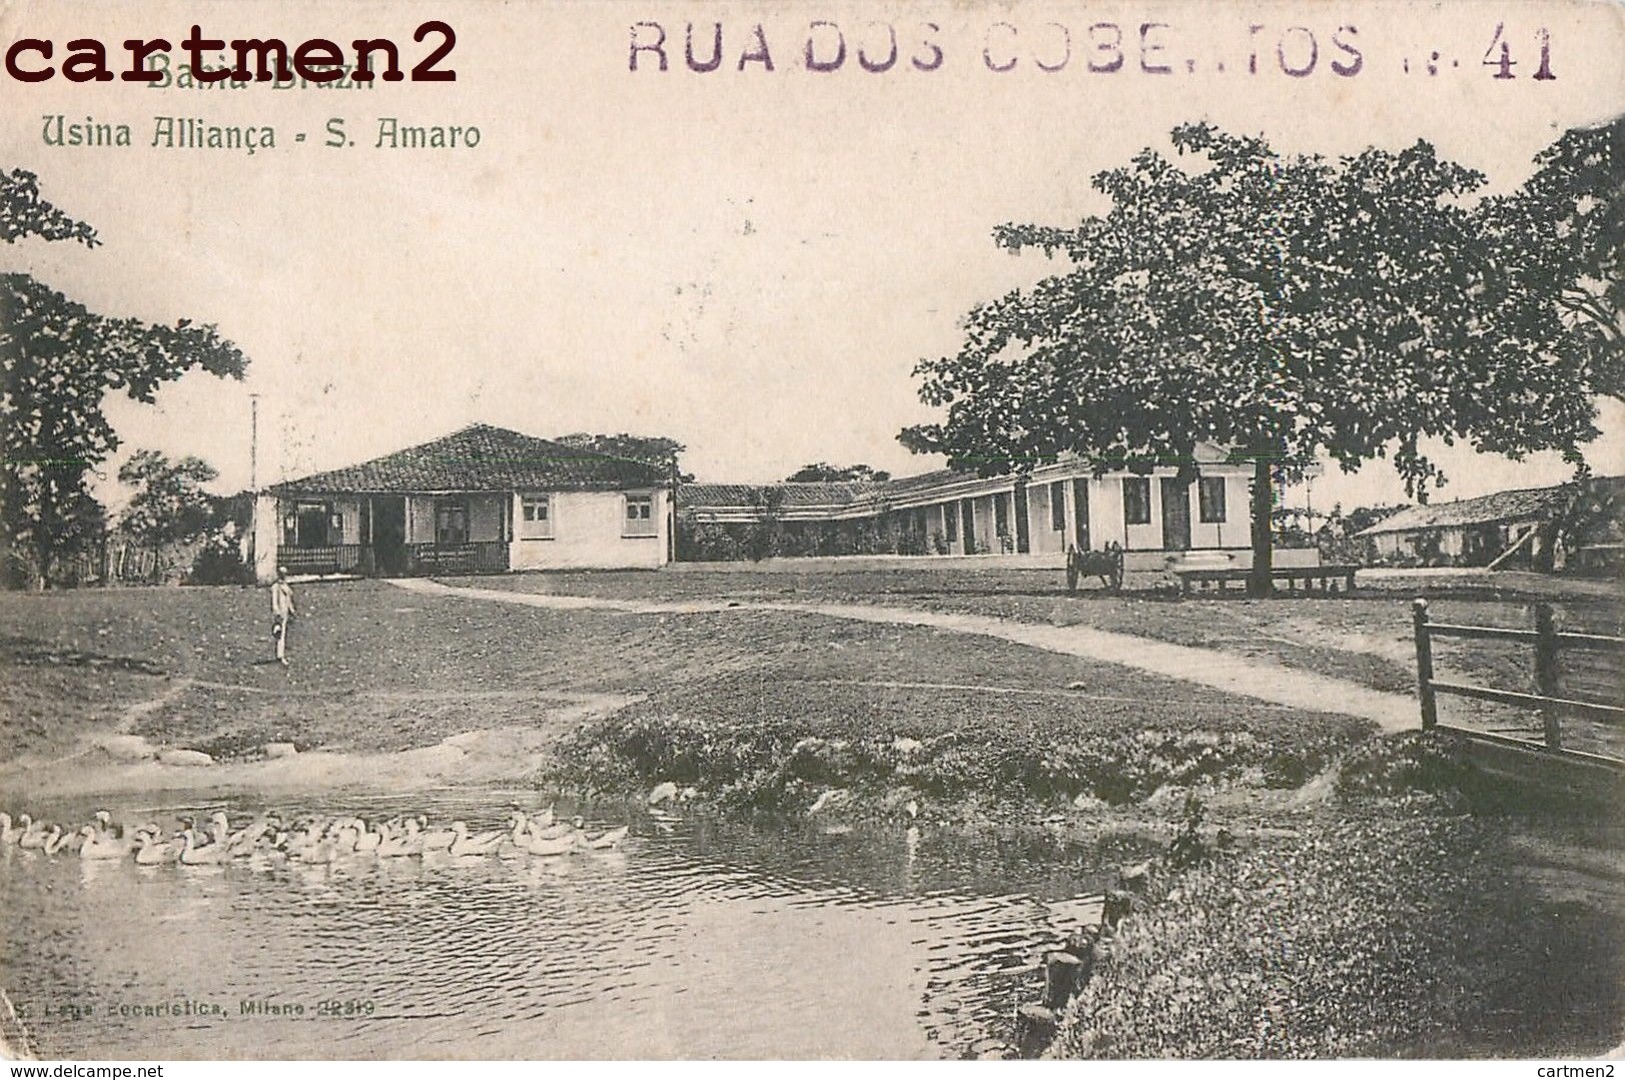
{"x":1051,"y":508}
{"x":1471,"y":532}
{"x":1531,"y":527}
{"x":482,"y":499}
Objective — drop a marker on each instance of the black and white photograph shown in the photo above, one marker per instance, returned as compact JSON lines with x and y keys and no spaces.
{"x":784,"y":530}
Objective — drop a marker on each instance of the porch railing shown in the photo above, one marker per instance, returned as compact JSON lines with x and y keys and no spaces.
{"x":475,"y":557}
{"x":326,"y":559}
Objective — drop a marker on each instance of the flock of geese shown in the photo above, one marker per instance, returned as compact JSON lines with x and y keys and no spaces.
{"x":308,"y":840}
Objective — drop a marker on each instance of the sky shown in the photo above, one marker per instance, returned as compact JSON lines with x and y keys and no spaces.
{"x":750,"y":262}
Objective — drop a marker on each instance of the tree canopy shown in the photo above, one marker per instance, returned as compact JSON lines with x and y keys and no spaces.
{"x":649,"y":449}
{"x":58,"y":361}
{"x":824,"y":472}
{"x":1282,"y":306}
{"x":170,"y":503}
{"x":24,"y":213}
{"x":1567,"y":222}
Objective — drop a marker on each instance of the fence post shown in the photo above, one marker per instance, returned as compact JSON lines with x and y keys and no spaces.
{"x":1546,"y":672}
{"x":1424,"y":664}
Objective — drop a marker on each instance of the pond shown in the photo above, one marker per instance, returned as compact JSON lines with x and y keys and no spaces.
{"x":696,"y":939}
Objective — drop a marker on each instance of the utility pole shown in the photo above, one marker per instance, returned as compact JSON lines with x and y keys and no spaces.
{"x":254,"y":443}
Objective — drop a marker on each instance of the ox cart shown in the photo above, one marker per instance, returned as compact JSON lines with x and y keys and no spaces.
{"x":1106,"y":564}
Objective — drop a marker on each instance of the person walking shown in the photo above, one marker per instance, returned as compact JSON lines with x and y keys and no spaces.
{"x":282,"y":612}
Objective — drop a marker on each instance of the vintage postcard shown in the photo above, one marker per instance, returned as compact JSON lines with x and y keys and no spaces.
{"x":811,"y":530}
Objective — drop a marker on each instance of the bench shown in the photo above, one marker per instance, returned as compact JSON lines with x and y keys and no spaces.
{"x":1326,"y":578}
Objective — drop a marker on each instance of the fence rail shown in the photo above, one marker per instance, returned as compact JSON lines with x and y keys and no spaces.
{"x":1548,"y":699}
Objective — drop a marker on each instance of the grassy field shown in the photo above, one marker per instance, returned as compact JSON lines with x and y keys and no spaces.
{"x":377,"y":668}
{"x":1366,"y":638}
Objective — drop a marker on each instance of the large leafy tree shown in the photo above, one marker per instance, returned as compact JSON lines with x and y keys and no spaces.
{"x":170,"y":504}
{"x":1567,"y":226}
{"x":58,"y":362}
{"x":1283,"y":306}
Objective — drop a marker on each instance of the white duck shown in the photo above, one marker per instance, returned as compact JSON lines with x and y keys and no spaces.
{"x":8,"y":834}
{"x":463,"y":844}
{"x":554,"y":830}
{"x":206,"y":855}
{"x":105,"y":827}
{"x":32,"y":836}
{"x":99,"y":845}
{"x":150,"y":851}
{"x":428,"y":839}
{"x":394,"y":846}
{"x":604,"y":841}
{"x":249,"y":837}
{"x":550,"y":845}
{"x":367,"y":840}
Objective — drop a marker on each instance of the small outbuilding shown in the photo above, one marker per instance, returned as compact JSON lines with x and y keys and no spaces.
{"x":1473,"y":532}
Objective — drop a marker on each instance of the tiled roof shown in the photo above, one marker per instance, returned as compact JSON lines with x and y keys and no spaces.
{"x":1520,"y":505}
{"x":858,"y":497}
{"x":749,"y":496}
{"x":482,"y":458}
{"x":905,"y":485}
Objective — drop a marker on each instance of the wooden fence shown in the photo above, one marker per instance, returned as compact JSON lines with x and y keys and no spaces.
{"x":1548,"y":699}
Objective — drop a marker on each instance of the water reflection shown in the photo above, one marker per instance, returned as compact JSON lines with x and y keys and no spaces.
{"x":707,"y":940}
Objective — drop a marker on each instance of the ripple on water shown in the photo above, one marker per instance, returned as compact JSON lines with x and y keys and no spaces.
{"x":708,"y":940}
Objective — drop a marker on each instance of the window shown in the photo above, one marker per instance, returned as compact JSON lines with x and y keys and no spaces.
{"x":1137,"y":500}
{"x":639,"y":520}
{"x":535,"y":517}
{"x":1210,"y":493}
{"x":450,"y":523}
{"x":1057,"y":506}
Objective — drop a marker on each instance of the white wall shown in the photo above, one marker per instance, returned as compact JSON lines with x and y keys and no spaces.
{"x":587,"y":534}
{"x":267,"y":535}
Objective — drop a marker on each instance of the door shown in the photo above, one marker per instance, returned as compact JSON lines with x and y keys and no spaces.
{"x":1080,"y":501}
{"x":1176,"y":514}
{"x":389,"y":534}
{"x":967,"y":519}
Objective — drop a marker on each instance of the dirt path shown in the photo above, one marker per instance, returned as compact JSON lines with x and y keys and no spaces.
{"x":1244,"y":676}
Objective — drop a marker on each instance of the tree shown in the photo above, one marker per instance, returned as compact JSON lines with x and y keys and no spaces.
{"x":57,"y":363}
{"x":649,"y":449}
{"x":1567,"y":226}
{"x":170,"y":505}
{"x":1283,"y":307}
{"x":24,"y":213}
{"x":823,"y":472}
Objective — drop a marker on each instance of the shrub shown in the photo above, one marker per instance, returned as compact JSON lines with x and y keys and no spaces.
{"x":219,"y":561}
{"x":1399,"y":936}
{"x":779,"y":751}
{"x":1402,"y":765}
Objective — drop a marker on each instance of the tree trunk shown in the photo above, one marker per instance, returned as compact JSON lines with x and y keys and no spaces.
{"x":1259,"y":581}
